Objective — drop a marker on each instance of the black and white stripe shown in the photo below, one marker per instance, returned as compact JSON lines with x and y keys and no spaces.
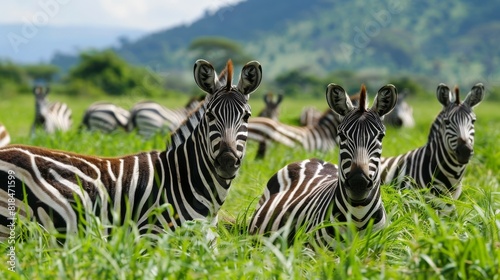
{"x":310,"y":193}
{"x":319,"y":136}
{"x":4,"y":136}
{"x":50,"y":116}
{"x":106,"y":117}
{"x":400,"y":116}
{"x":150,"y":117}
{"x":440,"y":164}
{"x":192,"y":177}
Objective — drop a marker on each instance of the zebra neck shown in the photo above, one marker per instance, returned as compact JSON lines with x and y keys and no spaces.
{"x":440,"y":161}
{"x":360,"y":213}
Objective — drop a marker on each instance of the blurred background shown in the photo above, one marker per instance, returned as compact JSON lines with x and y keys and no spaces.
{"x":101,"y":48}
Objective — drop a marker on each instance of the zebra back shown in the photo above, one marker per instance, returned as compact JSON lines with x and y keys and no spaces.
{"x":193,"y":177}
{"x":309,"y":193}
{"x":106,"y":117}
{"x":440,"y":164}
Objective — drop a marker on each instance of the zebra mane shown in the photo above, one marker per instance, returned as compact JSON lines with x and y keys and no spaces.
{"x":362,"y":99}
{"x":456,"y":90}
{"x":229,"y":70}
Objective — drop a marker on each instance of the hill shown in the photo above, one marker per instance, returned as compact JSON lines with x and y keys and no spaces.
{"x":453,"y":40}
{"x":37,"y":44}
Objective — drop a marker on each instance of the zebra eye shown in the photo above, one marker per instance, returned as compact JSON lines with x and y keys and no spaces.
{"x":446,"y":121}
{"x":341,"y":135}
{"x":246,"y":116}
{"x":380,"y":136}
{"x":210,"y":115}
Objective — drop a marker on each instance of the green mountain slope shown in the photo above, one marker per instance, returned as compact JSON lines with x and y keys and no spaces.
{"x":453,"y":40}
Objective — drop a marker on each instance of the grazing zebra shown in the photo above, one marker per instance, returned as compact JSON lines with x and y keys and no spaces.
{"x":150,"y":117}
{"x":272,"y":106}
{"x":440,"y":164}
{"x":400,"y":116}
{"x":106,"y":117}
{"x":4,"y":136}
{"x":306,"y":194}
{"x":51,"y":116}
{"x":309,"y":116}
{"x":193,"y":177}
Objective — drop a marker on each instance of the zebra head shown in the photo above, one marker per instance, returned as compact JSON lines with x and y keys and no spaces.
{"x":360,"y":132}
{"x":402,"y":114}
{"x":227,"y":112}
{"x":454,"y":125}
{"x":271,"y":110}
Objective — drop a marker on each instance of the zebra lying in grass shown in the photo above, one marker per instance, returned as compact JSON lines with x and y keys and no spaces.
{"x":440,"y":164}
{"x":106,"y":117}
{"x":50,"y":116}
{"x":4,"y":136}
{"x":150,"y":117}
{"x":192,"y":176}
{"x":306,"y":194}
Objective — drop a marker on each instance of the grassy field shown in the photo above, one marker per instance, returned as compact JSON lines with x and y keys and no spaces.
{"x":416,"y":245}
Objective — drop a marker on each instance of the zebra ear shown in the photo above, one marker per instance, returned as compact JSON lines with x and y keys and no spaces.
{"x":250,"y":77}
{"x":338,"y":100}
{"x":385,"y":100}
{"x":475,"y":96}
{"x":443,"y":94}
{"x":205,"y":76}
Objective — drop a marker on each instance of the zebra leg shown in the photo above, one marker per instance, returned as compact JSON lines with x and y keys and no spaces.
{"x":261,"y":152}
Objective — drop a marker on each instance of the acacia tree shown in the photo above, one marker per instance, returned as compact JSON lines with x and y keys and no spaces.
{"x":218,"y":50}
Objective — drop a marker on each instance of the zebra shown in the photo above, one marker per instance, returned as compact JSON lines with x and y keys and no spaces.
{"x":51,"y":116}
{"x":4,"y":136}
{"x":440,"y":164}
{"x":319,"y":136}
{"x":189,"y":180}
{"x":309,"y":193}
{"x":150,"y":117}
{"x":106,"y":117}
{"x":400,"y":116}
{"x":272,"y":106}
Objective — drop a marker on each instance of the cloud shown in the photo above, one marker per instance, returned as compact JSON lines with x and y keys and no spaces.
{"x":146,"y":14}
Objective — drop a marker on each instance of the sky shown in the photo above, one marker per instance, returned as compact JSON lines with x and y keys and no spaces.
{"x":147,"y":15}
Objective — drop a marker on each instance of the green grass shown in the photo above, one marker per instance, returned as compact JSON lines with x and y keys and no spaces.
{"x":417,"y":244}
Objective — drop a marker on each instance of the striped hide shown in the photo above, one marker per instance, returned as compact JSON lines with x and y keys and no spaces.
{"x":51,"y":117}
{"x":312,"y":195}
{"x":159,"y":190}
{"x":105,"y":117}
{"x":440,"y":164}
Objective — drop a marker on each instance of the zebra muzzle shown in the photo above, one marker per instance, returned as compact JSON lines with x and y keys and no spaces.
{"x":227,"y":165}
{"x":358,"y":185}
{"x":464,"y":153}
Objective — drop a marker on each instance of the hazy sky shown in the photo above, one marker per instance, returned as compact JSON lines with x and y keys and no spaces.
{"x":147,"y":15}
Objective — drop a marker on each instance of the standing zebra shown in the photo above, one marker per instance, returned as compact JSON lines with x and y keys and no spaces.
{"x":440,"y":164}
{"x":106,"y":117}
{"x":150,"y":117}
{"x":272,"y":106}
{"x":4,"y":136}
{"x":306,"y":194}
{"x":51,"y":116}
{"x":193,"y":177}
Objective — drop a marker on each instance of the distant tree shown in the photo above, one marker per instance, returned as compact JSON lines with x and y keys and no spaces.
{"x":45,"y":72}
{"x":218,"y":50}
{"x":108,"y":72}
{"x":299,"y":83}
